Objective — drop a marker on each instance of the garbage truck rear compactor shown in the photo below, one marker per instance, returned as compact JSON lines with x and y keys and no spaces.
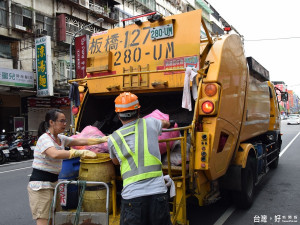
{"x":234,"y":123}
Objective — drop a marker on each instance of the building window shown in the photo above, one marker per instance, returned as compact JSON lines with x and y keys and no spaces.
{"x":45,"y":24}
{"x":3,"y":13}
{"x":22,"y":18}
{"x":5,"y":50}
{"x":73,"y":25}
{"x":73,"y":76}
{"x":64,"y":70}
{"x":62,"y":65}
{"x":49,"y":26}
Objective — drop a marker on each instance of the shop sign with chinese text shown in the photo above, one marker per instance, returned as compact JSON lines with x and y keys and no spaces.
{"x":16,"y":78}
{"x":44,"y":66}
{"x":81,"y":45}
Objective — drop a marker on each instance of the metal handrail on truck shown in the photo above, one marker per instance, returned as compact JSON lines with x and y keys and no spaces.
{"x":76,"y":183}
{"x":179,"y":175}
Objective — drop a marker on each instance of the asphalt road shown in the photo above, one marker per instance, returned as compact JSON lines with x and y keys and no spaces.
{"x":277,"y":198}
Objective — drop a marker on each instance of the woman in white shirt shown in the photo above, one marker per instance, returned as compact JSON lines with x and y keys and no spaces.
{"x":48,"y":155}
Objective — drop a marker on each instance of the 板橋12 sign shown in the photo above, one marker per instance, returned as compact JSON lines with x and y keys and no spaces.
{"x":43,"y":66}
{"x":16,"y":78}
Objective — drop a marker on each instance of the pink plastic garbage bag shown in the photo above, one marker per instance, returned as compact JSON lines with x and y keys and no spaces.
{"x":165,"y":135}
{"x":92,"y":132}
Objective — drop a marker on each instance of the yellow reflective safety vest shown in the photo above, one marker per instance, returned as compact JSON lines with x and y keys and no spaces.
{"x":140,"y":164}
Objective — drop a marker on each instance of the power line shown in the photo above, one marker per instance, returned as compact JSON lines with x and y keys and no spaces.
{"x":274,"y":39}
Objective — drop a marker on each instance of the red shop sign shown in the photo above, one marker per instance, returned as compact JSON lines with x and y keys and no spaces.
{"x":81,"y":46}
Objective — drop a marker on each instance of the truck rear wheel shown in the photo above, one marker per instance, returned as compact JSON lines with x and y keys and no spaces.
{"x":244,"y":198}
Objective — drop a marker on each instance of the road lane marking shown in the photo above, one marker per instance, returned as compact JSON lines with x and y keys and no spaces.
{"x":16,"y":169}
{"x":231,"y":209}
{"x":225,"y":216}
{"x":283,"y":151}
{"x":8,"y":164}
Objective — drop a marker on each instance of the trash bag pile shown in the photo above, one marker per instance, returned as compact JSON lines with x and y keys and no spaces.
{"x":175,"y":146}
{"x":92,"y":132}
{"x":165,"y":135}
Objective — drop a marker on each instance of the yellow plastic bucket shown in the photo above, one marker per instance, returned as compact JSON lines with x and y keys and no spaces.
{"x":99,"y":169}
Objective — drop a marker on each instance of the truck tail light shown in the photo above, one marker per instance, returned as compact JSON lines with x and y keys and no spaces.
{"x":209,"y":103}
{"x":210,"y":90}
{"x":207,"y":107}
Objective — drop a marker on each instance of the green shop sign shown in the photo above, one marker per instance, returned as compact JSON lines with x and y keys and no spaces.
{"x":16,"y":78}
{"x":43,"y":66}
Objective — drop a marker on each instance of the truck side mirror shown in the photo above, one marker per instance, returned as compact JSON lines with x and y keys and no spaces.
{"x":284,"y":96}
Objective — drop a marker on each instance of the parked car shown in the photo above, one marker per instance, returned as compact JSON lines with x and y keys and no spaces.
{"x":283,"y":117}
{"x":293,"y":119}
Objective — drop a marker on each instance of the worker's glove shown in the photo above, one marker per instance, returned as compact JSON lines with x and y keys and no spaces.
{"x":172,"y":123}
{"x":84,"y":154}
{"x":96,"y":141}
{"x":170,"y":184}
{"x":168,"y":180}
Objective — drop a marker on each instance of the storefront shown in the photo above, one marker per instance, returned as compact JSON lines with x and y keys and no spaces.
{"x":14,"y":86}
{"x":38,"y":107}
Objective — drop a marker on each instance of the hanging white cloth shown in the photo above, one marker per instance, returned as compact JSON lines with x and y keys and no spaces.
{"x":170,"y":183}
{"x":190,"y":75}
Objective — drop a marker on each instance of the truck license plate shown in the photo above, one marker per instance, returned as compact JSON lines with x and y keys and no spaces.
{"x":160,"y":32}
{"x":5,"y":151}
{"x":20,"y":148}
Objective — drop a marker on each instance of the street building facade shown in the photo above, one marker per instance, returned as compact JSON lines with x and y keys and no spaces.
{"x":23,"y":23}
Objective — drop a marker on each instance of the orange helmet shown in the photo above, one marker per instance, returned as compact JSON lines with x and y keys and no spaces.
{"x":126,"y":101}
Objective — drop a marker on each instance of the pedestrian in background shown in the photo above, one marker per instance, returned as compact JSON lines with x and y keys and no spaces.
{"x":135,"y":147}
{"x":48,"y":155}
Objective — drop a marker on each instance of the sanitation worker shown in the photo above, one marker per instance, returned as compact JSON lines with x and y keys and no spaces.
{"x":135,"y":147}
{"x":48,"y":155}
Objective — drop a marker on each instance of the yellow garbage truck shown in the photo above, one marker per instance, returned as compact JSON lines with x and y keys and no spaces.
{"x":230,"y":126}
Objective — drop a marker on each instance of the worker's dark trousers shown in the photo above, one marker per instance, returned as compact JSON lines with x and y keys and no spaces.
{"x":147,"y":210}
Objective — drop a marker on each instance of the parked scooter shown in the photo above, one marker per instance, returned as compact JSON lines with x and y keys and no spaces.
{"x":16,"y":151}
{"x":28,"y":145}
{"x":4,"y":152}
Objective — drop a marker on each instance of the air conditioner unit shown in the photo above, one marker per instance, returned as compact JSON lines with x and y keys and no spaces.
{"x":84,"y":3}
{"x":41,"y":31}
{"x":44,"y":32}
{"x":38,"y":31}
